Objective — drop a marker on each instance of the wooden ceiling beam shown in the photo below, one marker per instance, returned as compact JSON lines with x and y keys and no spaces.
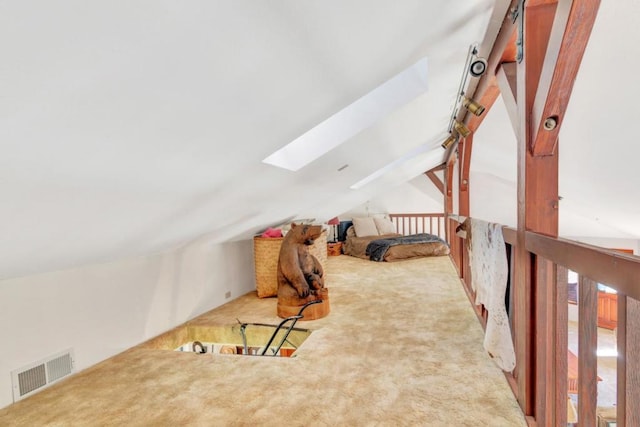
{"x":572,"y":27}
{"x":510,"y":53}
{"x":441,"y":167}
{"x":533,"y":3}
{"x":504,"y":45}
{"x":488,"y":98}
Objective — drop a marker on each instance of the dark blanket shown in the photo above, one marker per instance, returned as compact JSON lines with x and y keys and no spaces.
{"x":378,"y":248}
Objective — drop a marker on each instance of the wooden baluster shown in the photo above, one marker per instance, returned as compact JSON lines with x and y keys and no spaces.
{"x":587,"y":346}
{"x":546,"y":316}
{"x":562,"y":321}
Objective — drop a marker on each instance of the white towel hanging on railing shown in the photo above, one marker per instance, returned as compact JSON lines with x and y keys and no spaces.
{"x":489,"y":271}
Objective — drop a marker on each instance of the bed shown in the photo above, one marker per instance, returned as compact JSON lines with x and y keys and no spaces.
{"x":376,"y":239}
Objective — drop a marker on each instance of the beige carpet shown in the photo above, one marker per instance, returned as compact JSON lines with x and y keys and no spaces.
{"x":400,"y":347}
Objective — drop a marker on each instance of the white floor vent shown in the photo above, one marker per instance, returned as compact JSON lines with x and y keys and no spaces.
{"x":36,"y":376}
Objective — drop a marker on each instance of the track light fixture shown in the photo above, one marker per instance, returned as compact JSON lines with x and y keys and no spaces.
{"x":449,"y":142}
{"x":463,"y":131}
{"x":474,"y":66}
{"x":478,"y":67}
{"x":473,"y":107}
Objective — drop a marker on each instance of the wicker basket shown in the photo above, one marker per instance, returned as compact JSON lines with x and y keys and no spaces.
{"x":266,"y":251}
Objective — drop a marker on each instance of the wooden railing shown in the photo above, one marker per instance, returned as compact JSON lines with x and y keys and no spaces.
{"x":414,"y":223}
{"x":539,"y":320}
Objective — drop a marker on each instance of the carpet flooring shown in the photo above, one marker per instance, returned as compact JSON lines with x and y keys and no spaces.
{"x":401,"y":347}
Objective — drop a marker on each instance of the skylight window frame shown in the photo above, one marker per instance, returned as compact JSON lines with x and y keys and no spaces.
{"x":353,"y":119}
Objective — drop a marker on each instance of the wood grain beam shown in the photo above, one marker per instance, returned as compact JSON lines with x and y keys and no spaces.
{"x":448,"y":195}
{"x":537,"y":190}
{"x":488,"y":98}
{"x":510,"y":53}
{"x":436,"y":181}
{"x":465,"y":148}
{"x":505,"y":41}
{"x":438,"y":168}
{"x":534,"y":3}
{"x":617,"y":269}
{"x":572,"y":27}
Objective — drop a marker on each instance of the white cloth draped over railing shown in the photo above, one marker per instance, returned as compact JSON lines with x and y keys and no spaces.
{"x":489,"y":272}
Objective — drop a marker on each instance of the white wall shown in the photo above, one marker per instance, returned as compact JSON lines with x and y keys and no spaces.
{"x":101,"y":310}
{"x":493,"y":199}
{"x":416,"y":196}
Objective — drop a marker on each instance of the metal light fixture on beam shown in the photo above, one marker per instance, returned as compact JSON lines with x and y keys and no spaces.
{"x":476,"y":67}
{"x":472,"y":106}
{"x":449,"y":141}
{"x":462,"y":129}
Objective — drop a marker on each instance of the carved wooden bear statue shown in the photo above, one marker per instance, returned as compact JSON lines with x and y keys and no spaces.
{"x":300,"y":274}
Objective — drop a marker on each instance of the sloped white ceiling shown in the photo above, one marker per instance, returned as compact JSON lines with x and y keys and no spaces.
{"x":133,"y":127}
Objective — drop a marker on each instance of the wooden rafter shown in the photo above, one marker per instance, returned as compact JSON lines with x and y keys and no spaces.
{"x":503,"y":47}
{"x":441,"y":167}
{"x":489,"y":96}
{"x":572,"y":27}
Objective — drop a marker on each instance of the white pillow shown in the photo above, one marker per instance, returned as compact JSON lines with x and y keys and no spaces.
{"x":385,"y":226}
{"x":365,"y":227}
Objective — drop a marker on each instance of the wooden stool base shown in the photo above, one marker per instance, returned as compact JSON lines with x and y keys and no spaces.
{"x":313,"y":312}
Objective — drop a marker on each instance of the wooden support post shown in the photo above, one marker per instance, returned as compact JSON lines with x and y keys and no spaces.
{"x":537,"y":199}
{"x":464,"y":148}
{"x":448,"y":196}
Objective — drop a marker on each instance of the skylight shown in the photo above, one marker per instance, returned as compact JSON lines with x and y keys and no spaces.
{"x":353,"y":119}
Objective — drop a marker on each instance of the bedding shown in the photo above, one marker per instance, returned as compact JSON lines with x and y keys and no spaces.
{"x":377,"y":249}
{"x":398,"y":249}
